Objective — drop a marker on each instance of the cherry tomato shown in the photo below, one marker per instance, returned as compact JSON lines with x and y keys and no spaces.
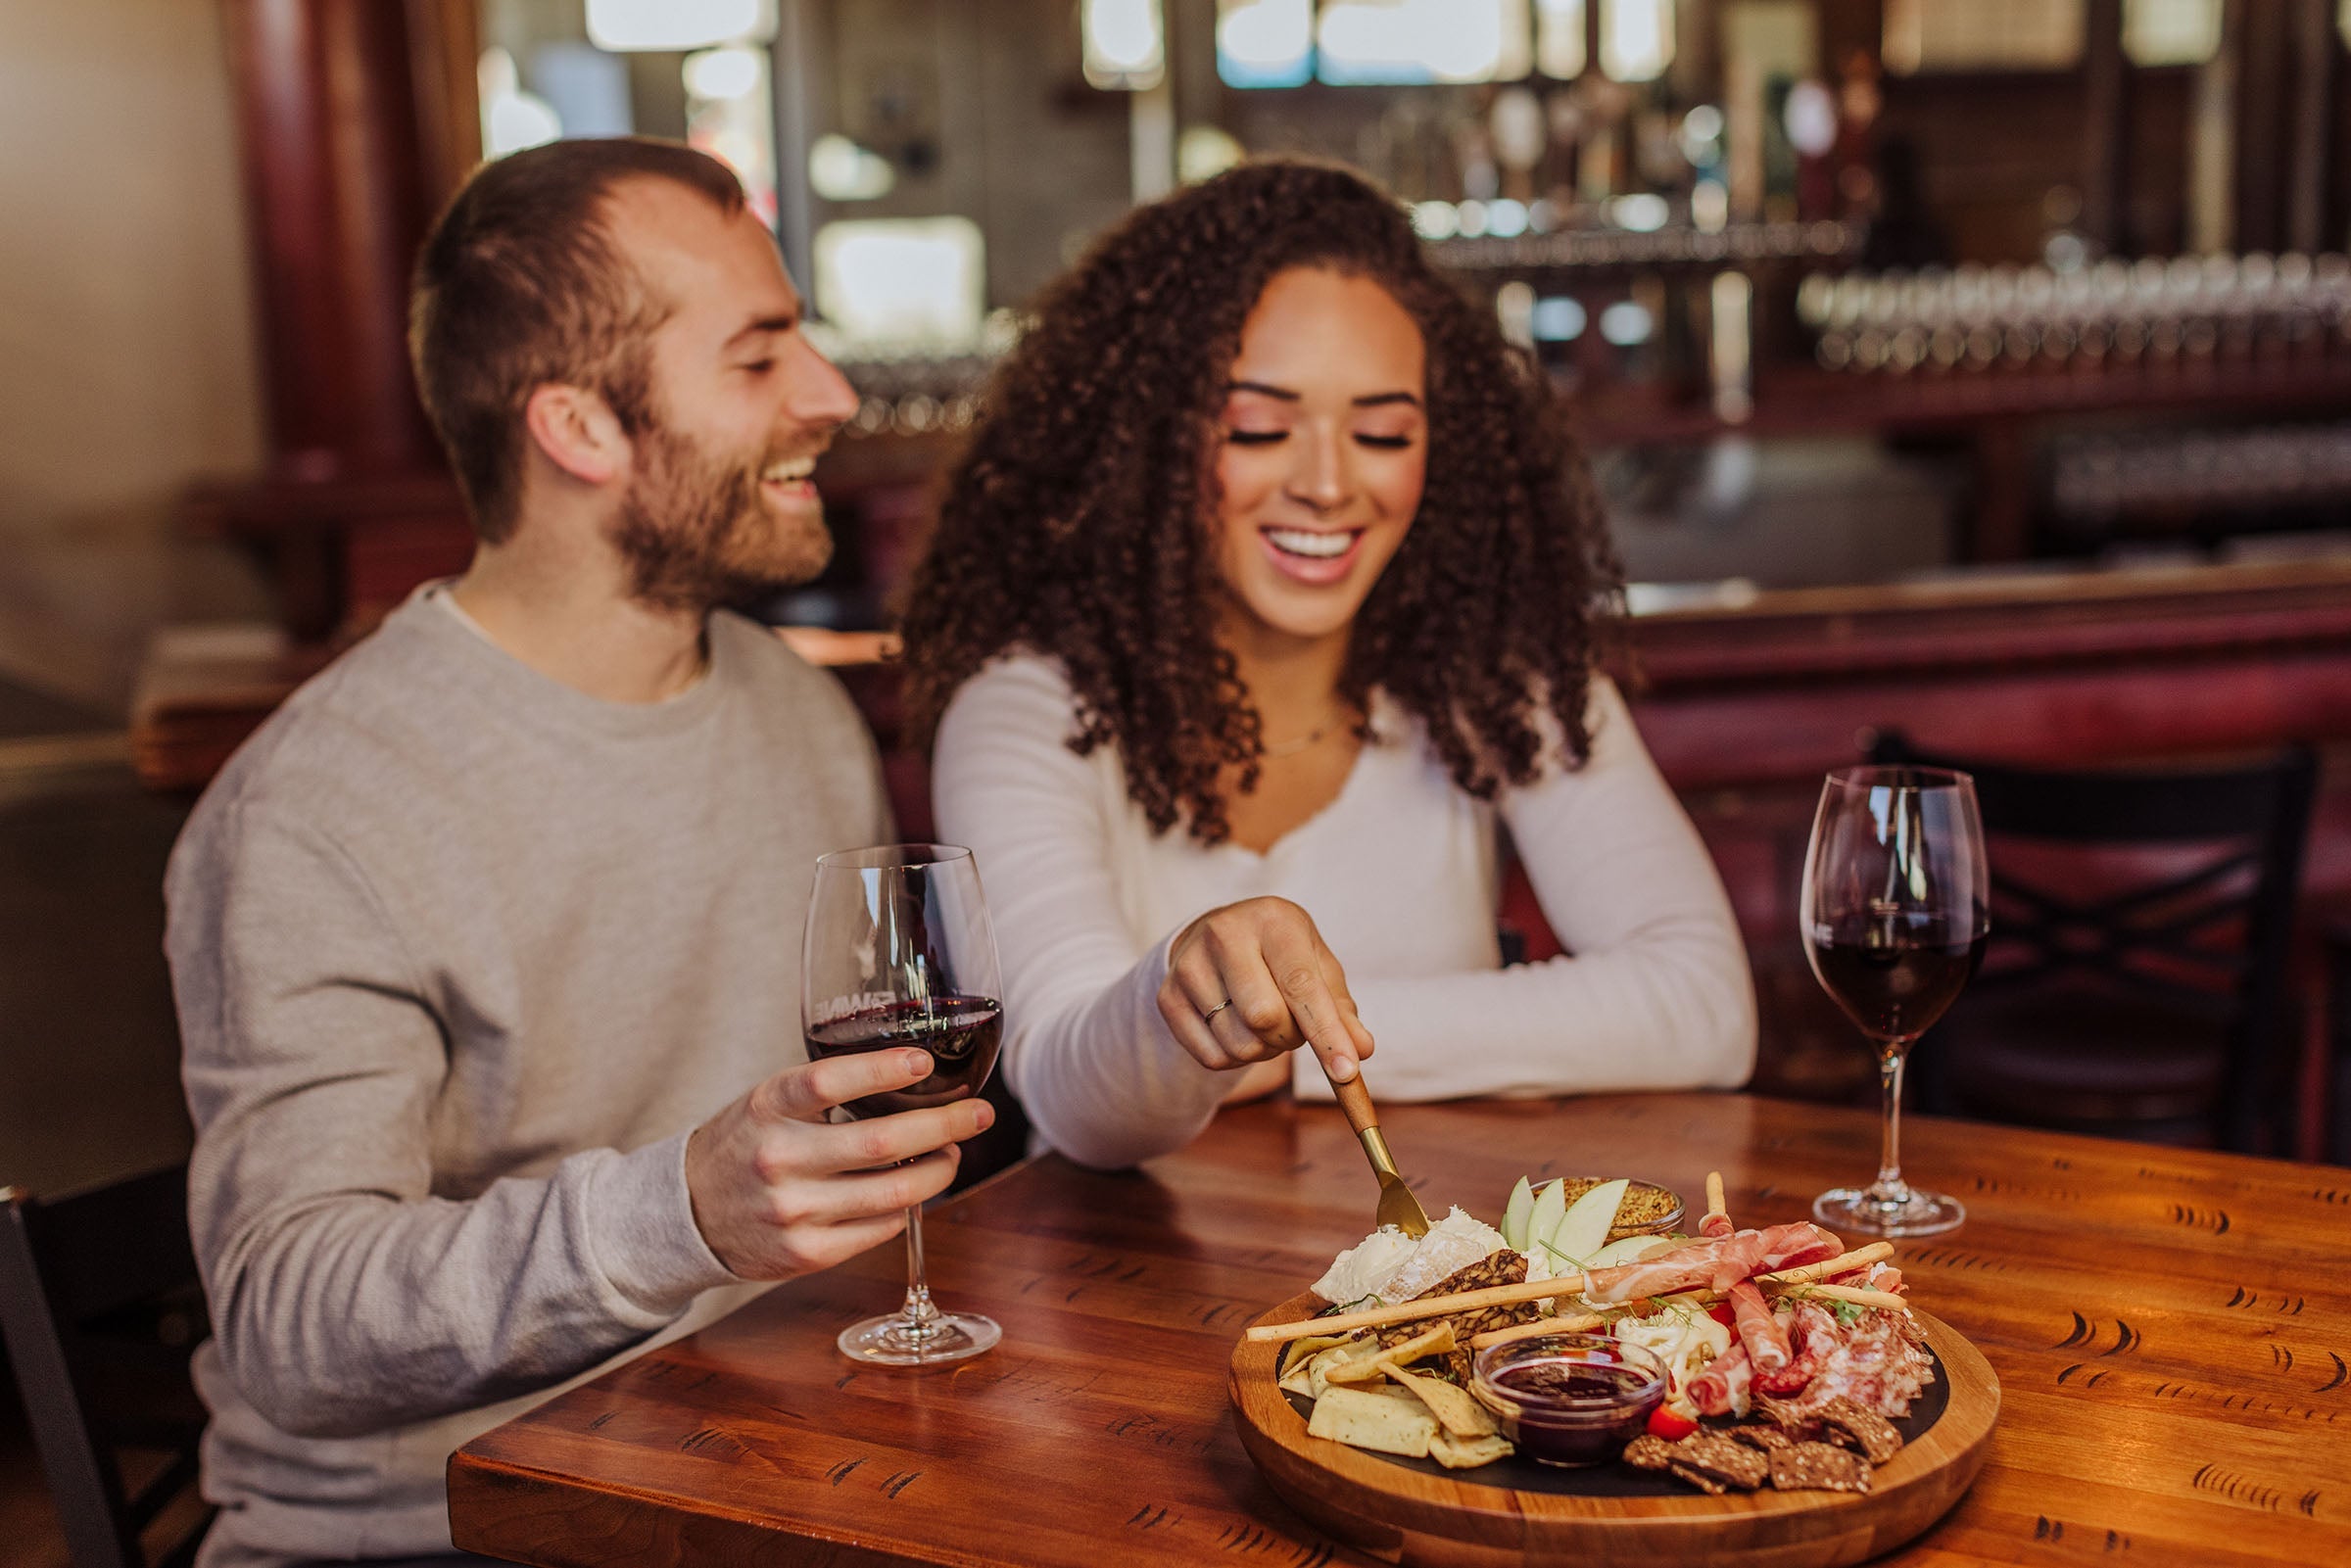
{"x":1721,"y":1312}
{"x":1665,"y":1423}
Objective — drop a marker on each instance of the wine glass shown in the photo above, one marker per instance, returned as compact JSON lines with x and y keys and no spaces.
{"x":1895,"y":912}
{"x":900,"y":952}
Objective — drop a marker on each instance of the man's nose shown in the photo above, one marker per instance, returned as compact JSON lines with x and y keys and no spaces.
{"x":820,"y":394}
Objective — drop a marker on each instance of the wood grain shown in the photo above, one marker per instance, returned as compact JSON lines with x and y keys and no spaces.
{"x":1464,"y":1522}
{"x":2171,"y":1330}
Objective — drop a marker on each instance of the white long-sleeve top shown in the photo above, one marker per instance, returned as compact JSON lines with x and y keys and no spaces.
{"x":1400,"y":872}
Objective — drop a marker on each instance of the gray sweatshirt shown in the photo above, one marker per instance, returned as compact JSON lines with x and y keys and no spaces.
{"x":462,"y":956}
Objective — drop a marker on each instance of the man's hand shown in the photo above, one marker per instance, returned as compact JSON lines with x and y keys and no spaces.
{"x":1264,"y":957}
{"x":779,"y":1190}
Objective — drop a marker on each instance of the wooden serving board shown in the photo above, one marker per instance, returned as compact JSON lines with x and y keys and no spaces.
{"x":1406,"y":1513}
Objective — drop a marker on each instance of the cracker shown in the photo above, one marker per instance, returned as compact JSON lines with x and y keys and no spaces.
{"x":1649,"y":1452}
{"x":1871,"y":1432}
{"x":1770,"y":1439}
{"x":1818,"y":1467}
{"x":1731,"y":1462}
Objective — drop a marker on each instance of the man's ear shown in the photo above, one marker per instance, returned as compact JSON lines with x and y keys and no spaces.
{"x":577,"y":431}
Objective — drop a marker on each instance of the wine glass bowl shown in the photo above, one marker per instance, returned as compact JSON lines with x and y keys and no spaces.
{"x":900,"y":952}
{"x":1895,"y":912}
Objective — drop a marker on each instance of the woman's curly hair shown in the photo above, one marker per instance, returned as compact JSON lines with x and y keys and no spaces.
{"x":1077,"y":522}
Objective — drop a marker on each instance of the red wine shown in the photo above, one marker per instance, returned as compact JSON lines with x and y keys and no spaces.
{"x":961,"y":1033}
{"x":1894,"y":975}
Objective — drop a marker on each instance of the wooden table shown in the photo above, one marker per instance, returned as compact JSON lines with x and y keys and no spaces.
{"x":2172,"y":1331}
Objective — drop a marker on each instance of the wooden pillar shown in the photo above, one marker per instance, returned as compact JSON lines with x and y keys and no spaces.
{"x":355,"y":120}
{"x":2106,"y":132}
{"x":2311,"y":150}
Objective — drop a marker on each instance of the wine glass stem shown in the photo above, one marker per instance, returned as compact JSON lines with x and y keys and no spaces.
{"x":1890,"y":1190}
{"x":921,"y":1315}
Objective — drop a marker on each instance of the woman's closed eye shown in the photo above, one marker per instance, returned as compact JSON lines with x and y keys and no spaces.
{"x":1266,"y":438}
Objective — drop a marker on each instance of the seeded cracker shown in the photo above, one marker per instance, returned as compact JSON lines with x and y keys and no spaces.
{"x":1648,"y":1453}
{"x":1720,"y":1460}
{"x":1770,"y":1439}
{"x":1818,"y":1467}
{"x":1871,"y":1433}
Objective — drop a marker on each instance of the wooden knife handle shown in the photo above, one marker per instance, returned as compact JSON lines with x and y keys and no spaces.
{"x":1355,"y":1100}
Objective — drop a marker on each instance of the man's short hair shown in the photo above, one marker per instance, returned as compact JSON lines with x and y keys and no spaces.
{"x":518,"y":285}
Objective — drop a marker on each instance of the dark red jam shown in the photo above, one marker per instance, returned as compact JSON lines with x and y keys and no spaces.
{"x":1573,"y":1405}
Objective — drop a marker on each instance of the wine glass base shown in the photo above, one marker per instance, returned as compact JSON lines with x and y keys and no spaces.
{"x":1924,"y":1214}
{"x":897,"y":1339}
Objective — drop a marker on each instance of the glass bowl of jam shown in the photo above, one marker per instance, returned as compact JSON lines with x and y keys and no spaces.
{"x":1569,"y":1398}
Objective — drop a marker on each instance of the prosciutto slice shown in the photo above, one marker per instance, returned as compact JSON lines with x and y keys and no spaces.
{"x":1715,"y":1263}
{"x":1720,"y":1387}
{"x":1760,"y":1333}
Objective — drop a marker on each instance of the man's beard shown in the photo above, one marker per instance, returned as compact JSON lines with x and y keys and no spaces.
{"x":695,"y":535}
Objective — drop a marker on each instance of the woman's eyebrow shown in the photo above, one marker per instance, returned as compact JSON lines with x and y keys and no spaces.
{"x":1370,"y":400}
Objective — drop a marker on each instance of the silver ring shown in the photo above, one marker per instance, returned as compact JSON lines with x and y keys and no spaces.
{"x":1209,"y":1017}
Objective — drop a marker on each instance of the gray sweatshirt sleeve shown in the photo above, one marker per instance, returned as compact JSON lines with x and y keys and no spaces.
{"x":348,"y":1295}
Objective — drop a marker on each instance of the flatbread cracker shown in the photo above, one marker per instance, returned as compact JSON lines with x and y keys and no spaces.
{"x":1468,"y":1453}
{"x":1455,"y":1408}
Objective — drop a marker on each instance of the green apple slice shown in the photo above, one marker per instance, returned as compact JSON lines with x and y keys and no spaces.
{"x":1629,"y":1249}
{"x":1542,"y":1218}
{"x":1584,"y":1228}
{"x":1515,"y":1214}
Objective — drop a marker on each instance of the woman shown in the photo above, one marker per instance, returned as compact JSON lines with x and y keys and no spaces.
{"x":1270,"y":584}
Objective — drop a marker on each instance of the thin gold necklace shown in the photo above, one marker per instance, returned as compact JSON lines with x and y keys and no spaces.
{"x":1312,"y":737}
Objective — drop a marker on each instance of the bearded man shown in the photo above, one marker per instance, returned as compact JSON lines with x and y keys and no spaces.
{"x":486,"y":946}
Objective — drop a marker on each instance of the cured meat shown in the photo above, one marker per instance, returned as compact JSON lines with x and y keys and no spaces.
{"x":1716,"y":1264}
{"x":1719,"y":1388}
{"x":1813,"y":1332}
{"x":1878,"y":1361}
{"x":1759,"y":1332}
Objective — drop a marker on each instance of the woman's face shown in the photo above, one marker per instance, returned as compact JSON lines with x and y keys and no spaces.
{"x":1323,"y":449}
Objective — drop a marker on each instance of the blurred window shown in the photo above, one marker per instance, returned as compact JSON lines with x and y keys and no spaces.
{"x":1123,"y":44}
{"x":917,"y":284}
{"x":1931,"y":35}
{"x":2171,"y":32}
{"x":1636,"y":39}
{"x":1265,"y":43}
{"x":1560,"y":38}
{"x":1380,"y":42}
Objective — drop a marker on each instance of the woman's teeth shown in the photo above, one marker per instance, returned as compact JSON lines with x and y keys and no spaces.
{"x":1319,"y":546}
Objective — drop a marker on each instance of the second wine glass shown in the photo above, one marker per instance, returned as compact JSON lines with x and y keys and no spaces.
{"x":1896,"y":911}
{"x":900,"y":952}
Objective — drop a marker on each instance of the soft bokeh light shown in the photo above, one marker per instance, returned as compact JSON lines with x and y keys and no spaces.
{"x":677,"y":25}
{"x":512,"y":118}
{"x":729,"y":72}
{"x":1636,"y":39}
{"x":1380,"y":41}
{"x":1124,"y":45}
{"x":1265,"y":43}
{"x":2173,"y":32}
{"x":909,"y":281}
{"x":1560,"y":38}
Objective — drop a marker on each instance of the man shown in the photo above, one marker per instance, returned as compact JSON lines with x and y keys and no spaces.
{"x":481,"y":941}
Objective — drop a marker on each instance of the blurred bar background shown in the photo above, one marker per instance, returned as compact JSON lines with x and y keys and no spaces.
{"x":1979,"y":365}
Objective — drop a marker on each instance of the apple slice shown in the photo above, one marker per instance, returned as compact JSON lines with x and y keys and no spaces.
{"x":1515,"y":1214}
{"x":1542,"y":1216}
{"x":1629,"y":1249}
{"x":1584,"y":1228}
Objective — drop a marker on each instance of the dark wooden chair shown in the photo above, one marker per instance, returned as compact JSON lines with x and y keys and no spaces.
{"x":101,"y":1306}
{"x":2136,"y":978}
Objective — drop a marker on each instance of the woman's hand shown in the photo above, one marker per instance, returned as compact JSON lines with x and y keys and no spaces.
{"x":1251,"y":980}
